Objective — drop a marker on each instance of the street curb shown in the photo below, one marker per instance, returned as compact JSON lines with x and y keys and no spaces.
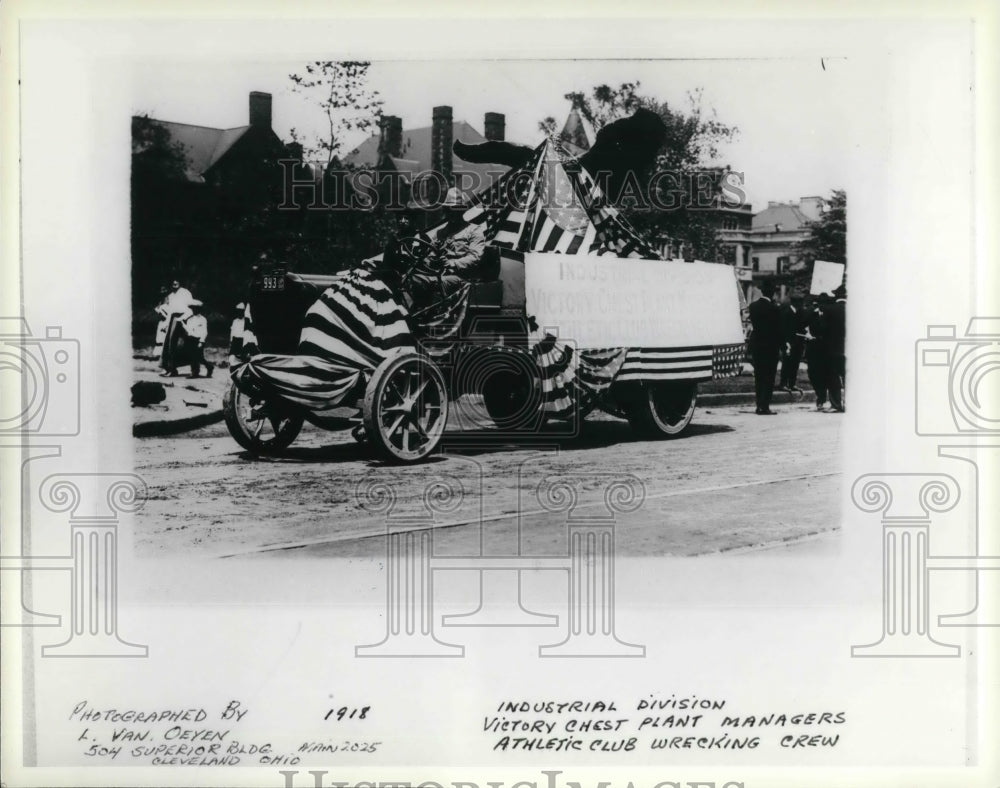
{"x":748,"y":398}
{"x":147,"y":429}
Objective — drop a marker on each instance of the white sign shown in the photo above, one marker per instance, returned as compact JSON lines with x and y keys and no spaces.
{"x":827,"y":277}
{"x":599,"y":302}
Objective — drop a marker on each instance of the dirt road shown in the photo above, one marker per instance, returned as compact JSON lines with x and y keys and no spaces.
{"x":735,"y":481}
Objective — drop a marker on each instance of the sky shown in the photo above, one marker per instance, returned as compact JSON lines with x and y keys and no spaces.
{"x":792,"y":114}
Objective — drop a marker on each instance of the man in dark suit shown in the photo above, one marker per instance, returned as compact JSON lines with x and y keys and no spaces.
{"x":816,"y":362}
{"x":765,"y":346}
{"x":793,"y":330}
{"x":836,"y":336}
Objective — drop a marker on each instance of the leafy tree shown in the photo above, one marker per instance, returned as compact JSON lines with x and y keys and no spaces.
{"x":155,"y":154}
{"x":340,"y":90}
{"x":693,"y":138}
{"x":159,"y":208}
{"x":828,"y":235}
{"x":548,"y":126}
{"x":336,"y":238}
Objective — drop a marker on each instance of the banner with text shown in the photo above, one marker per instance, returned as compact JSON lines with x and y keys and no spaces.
{"x":601,"y":302}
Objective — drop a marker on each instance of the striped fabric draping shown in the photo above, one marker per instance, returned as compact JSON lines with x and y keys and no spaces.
{"x":571,"y":378}
{"x":354,"y":325}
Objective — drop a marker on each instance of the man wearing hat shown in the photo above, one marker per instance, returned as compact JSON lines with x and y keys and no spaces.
{"x":459,"y":254}
{"x":836,"y":336}
{"x":816,"y":361}
{"x":765,"y":346}
{"x":196,"y":327}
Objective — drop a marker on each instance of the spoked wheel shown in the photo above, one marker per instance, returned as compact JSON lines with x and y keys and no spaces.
{"x":406,"y":407}
{"x":255,"y":425}
{"x":662,"y":410}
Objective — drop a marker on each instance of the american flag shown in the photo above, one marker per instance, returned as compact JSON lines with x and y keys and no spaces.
{"x":727,"y":360}
{"x":676,"y":363}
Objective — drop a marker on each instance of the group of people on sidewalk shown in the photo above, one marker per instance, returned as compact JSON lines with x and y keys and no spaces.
{"x":815,"y":330}
{"x":181,"y":332}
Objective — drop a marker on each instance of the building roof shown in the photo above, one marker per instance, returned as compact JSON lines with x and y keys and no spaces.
{"x":786,"y":216}
{"x":203,"y":145}
{"x":416,"y":155}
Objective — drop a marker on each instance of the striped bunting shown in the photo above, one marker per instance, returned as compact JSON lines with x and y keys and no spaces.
{"x":684,"y":363}
{"x":356,"y":321}
{"x":248,"y":345}
{"x":307,"y":381}
{"x":354,"y":325}
{"x":573,"y":378}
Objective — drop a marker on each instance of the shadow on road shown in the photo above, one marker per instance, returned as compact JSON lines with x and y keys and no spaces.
{"x":471,"y":443}
{"x":593,"y":435}
{"x":337,"y":452}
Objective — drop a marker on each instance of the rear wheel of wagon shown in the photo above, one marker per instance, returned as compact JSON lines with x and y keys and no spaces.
{"x":405,"y":407}
{"x":661,"y":410}
{"x":256,"y":425}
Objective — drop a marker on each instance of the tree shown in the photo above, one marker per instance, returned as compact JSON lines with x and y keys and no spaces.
{"x":687,"y":181}
{"x":548,"y":126}
{"x":160,"y":206}
{"x":336,"y":238}
{"x":828,"y":235}
{"x":340,"y":90}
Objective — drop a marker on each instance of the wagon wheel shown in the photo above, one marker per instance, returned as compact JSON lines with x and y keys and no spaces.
{"x":256,"y":425}
{"x":662,"y":410}
{"x":405,"y":407}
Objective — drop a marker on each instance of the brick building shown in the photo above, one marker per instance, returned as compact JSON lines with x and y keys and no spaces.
{"x":416,"y":152}
{"x":203,"y":201}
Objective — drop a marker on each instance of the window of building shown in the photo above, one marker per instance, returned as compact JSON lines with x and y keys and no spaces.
{"x":756,"y":263}
{"x":782,"y":265}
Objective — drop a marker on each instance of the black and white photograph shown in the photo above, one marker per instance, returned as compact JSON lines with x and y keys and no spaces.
{"x":457,"y":397}
{"x":414,"y":267}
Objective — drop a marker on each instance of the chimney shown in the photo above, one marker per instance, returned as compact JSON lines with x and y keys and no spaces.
{"x":812,"y":207}
{"x":260,"y":109}
{"x":494,"y":126}
{"x":391,"y":129}
{"x":441,"y":133}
